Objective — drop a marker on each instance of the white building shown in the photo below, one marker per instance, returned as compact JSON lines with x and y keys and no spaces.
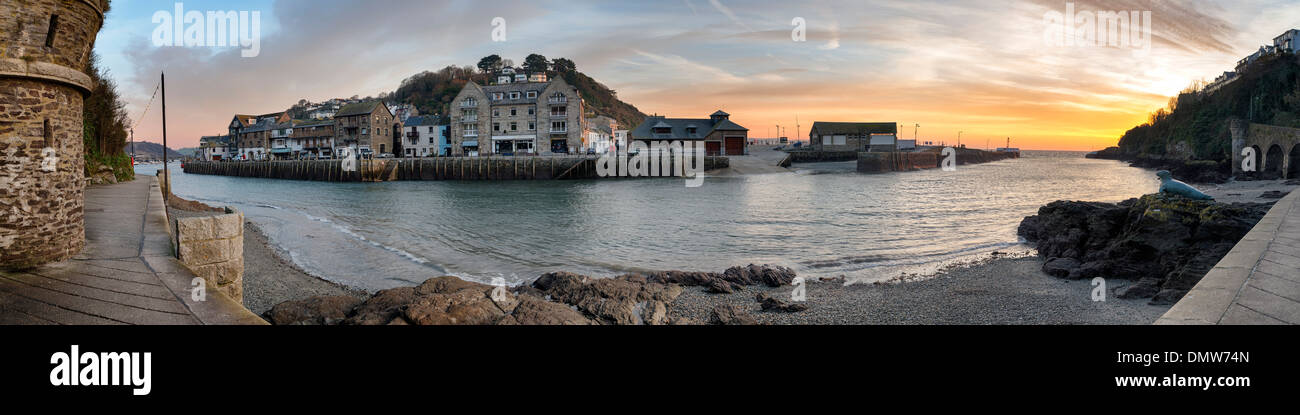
{"x":423,"y":137}
{"x":620,"y":139}
{"x":598,"y":135}
{"x":1288,"y":41}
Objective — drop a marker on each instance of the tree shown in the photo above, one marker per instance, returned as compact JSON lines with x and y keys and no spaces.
{"x":563,"y":66}
{"x":536,"y":63}
{"x":490,"y":63}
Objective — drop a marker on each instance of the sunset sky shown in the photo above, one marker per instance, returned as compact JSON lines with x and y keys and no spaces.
{"x":981,"y":67}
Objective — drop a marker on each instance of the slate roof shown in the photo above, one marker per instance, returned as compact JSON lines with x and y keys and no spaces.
{"x":360,"y":108}
{"x":522,"y":88}
{"x":421,"y":120}
{"x":854,"y":128}
{"x":703,"y":127}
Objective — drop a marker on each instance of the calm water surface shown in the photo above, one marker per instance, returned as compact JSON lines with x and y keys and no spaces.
{"x":823,"y":220}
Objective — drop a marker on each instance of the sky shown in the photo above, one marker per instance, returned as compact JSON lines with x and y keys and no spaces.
{"x":987,"y":69}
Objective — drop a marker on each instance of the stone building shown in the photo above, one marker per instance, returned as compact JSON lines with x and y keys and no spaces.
{"x":366,"y":127}
{"x":315,"y":137}
{"x":252,"y":134}
{"x":44,"y":48}
{"x":517,"y":116}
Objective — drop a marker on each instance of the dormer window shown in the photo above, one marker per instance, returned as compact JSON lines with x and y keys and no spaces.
{"x":532,"y":94}
{"x":497,"y":96}
{"x":690,"y":130}
{"x":514,"y":95}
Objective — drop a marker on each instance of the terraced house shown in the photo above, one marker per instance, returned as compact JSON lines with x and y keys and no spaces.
{"x":519,"y":115}
{"x":366,"y":128}
{"x":315,"y":138}
{"x":252,"y":134}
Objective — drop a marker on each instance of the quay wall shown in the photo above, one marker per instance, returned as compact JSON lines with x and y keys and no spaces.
{"x":427,"y":169}
{"x":883,"y":162}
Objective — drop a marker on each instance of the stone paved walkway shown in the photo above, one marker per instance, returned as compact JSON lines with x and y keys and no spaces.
{"x":126,"y":274}
{"x":1258,"y":282}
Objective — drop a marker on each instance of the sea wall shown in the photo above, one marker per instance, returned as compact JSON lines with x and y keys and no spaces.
{"x":821,"y":156}
{"x":440,"y":168}
{"x":213,"y":248}
{"x":882,"y":162}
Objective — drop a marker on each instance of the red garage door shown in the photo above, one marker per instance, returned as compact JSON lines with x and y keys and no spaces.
{"x":713,"y":148}
{"x":735,"y":146}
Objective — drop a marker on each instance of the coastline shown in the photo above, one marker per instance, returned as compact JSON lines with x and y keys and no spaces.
{"x":270,"y":278}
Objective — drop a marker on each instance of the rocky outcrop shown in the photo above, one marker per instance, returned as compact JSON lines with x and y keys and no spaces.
{"x":1163,"y":244}
{"x":729,"y":315}
{"x":557,"y":298}
{"x":769,"y":303}
{"x":324,"y":310}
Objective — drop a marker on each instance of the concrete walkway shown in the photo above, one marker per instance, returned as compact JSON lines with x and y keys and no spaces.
{"x":127,"y":273}
{"x":1258,"y":282}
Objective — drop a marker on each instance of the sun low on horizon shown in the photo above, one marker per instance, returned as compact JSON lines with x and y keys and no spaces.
{"x":979,"y":72}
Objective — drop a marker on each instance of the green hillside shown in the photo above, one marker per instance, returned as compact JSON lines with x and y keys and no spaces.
{"x":1195,"y":125}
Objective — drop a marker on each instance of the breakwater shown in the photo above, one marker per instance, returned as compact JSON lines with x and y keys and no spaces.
{"x":899,"y":161}
{"x":440,"y":168}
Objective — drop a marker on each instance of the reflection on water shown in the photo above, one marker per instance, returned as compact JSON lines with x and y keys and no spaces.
{"x":823,"y":220}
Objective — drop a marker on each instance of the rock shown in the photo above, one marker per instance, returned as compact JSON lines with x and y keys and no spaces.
{"x":1164,"y":243}
{"x":721,"y":287}
{"x":654,"y":313}
{"x":610,"y":300}
{"x":729,"y":315}
{"x":1274,"y":194}
{"x":1060,"y":267}
{"x":1143,"y":288}
{"x":772,"y":276}
{"x":382,"y":307}
{"x":324,"y":310}
{"x":770,"y":303}
{"x":536,"y":311}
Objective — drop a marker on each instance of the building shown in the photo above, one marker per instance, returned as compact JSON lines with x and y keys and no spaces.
{"x":283,"y":146}
{"x":402,"y":112}
{"x":425,"y":136}
{"x":216,"y":148}
{"x":517,"y":118}
{"x":314,"y":138}
{"x":620,"y":140}
{"x":252,"y":135}
{"x":853,"y":136}
{"x":367,"y":128}
{"x":44,"y":46}
{"x":1288,"y":42}
{"x":598,"y":134}
{"x":718,"y":133}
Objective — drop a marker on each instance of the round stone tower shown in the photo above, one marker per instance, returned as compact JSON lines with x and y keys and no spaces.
{"x":44,"y":48}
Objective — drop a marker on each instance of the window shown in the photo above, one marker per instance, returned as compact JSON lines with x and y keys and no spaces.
{"x":559,"y":111}
{"x":514,"y":112}
{"x":690,"y":130}
{"x":532,"y":94}
{"x":496,"y":112}
{"x":532,"y":110}
{"x":514,"y":95}
{"x":532,"y":126}
{"x":558,"y":127}
{"x":496,"y":96}
{"x":514,"y":126}
{"x":496,"y":127}
{"x":430,"y":128}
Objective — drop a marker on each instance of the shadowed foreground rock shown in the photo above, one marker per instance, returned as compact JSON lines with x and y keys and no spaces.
{"x":1164,"y":244}
{"x":557,"y":298}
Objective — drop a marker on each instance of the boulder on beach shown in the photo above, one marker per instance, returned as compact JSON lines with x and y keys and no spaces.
{"x":1164,"y":243}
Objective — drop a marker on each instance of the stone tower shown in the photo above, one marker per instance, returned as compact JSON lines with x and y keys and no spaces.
{"x":44,"y":48}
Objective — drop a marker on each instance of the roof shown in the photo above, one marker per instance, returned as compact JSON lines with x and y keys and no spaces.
{"x":855,"y":128}
{"x":312,"y":123}
{"x":417,"y":120}
{"x":703,"y":127}
{"x":522,"y":88}
{"x":360,"y":108}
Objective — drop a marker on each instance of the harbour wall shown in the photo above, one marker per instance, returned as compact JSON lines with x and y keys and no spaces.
{"x":884,"y":162}
{"x":439,"y":168}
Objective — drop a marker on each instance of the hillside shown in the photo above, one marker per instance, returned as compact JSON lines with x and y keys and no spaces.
{"x":1195,"y":125}
{"x":145,"y":150}
{"x":432,"y":92}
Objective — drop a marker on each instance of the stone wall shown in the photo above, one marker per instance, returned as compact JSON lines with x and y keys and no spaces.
{"x":816,"y":156}
{"x":213,"y":248}
{"x":887,"y":162}
{"x":42,"y":85}
{"x":1263,"y":138}
{"x":437,"y":168}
